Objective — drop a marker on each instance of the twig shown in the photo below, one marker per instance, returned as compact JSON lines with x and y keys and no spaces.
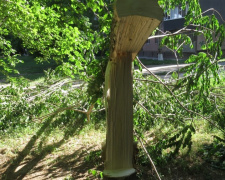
{"x":89,"y":112}
{"x":146,"y":80}
{"x":103,"y":109}
{"x":106,"y":8}
{"x":59,"y":110}
{"x":214,"y":10}
{"x":51,"y":89}
{"x":145,"y":109}
{"x":149,"y":157}
{"x":175,"y":33}
{"x":186,"y":27}
{"x":156,"y":115}
{"x":175,"y":54}
{"x":151,"y":81}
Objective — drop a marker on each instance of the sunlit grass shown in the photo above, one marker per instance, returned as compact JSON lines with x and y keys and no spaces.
{"x":39,"y":80}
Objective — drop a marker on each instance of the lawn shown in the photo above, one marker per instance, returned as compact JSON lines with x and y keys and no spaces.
{"x":30,"y":69}
{"x":55,"y":156}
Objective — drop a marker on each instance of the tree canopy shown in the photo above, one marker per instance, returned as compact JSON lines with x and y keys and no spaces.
{"x":73,"y":31}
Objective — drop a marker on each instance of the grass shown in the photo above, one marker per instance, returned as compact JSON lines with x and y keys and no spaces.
{"x":157,"y":62}
{"x":30,"y":69}
{"x":59,"y":159}
{"x":79,"y":157}
{"x":194,"y":165}
{"x":34,"y":71}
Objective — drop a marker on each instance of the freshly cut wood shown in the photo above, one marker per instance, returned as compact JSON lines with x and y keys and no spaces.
{"x":130,"y":33}
{"x":133,"y":23}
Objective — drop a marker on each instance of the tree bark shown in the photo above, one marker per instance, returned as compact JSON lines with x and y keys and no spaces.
{"x":119,"y":100}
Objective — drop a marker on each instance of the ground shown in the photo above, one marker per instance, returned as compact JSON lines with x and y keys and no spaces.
{"x":66,"y":160}
{"x":79,"y":157}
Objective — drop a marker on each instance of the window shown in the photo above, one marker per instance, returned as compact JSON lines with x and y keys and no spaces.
{"x":166,"y":15}
{"x":175,"y":13}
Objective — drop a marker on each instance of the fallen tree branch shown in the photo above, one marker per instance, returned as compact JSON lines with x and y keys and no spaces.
{"x":151,"y":81}
{"x":179,"y":102}
{"x":59,"y":110}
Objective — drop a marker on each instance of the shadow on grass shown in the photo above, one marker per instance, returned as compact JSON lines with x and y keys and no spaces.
{"x":186,"y":166}
{"x":75,"y":163}
{"x":20,"y":166}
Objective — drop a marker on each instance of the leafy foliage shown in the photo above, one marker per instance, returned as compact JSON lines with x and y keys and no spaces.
{"x":22,"y":105}
{"x":204,"y":64}
{"x":171,"y":127}
{"x":55,"y":29}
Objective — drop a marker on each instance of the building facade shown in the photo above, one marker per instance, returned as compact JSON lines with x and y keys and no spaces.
{"x":173,"y":21}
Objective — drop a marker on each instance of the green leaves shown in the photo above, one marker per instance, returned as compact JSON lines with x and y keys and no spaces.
{"x":176,"y":43}
{"x":199,"y":73}
{"x":136,"y":63}
{"x":204,"y":65}
{"x":23,"y":106}
{"x":64,"y":31}
{"x":96,"y":173}
{"x":8,"y":58}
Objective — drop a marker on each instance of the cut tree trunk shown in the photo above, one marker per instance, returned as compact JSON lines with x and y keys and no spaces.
{"x":119,"y":97}
{"x":133,"y":22}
